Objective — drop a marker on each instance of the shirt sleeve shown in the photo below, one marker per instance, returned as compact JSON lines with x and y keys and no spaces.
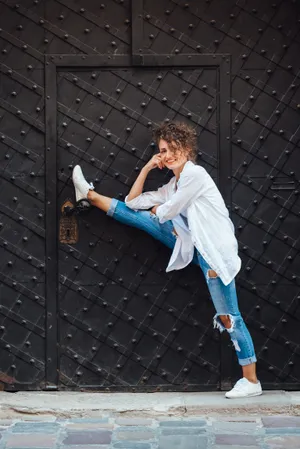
{"x":190,"y":187}
{"x":149,"y":199}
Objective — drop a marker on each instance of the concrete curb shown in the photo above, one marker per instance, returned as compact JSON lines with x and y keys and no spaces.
{"x":77,"y":404}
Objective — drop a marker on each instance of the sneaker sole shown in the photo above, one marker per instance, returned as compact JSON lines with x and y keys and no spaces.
{"x":248,"y":396}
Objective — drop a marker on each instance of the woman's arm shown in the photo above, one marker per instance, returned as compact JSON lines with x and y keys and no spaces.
{"x":190,"y":187}
{"x":138,"y":185}
{"x":137,"y":200}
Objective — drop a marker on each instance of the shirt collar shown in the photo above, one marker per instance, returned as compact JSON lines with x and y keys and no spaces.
{"x":187,"y":165}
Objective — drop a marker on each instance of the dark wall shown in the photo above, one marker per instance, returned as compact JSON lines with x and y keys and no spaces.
{"x":131,"y":342}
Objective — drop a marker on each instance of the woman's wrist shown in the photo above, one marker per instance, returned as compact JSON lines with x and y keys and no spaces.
{"x":145,"y":170}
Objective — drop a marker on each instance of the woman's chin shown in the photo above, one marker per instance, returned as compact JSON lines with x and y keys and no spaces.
{"x":171,"y":166}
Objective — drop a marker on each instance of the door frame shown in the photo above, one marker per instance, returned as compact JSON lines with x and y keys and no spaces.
{"x":55,"y":63}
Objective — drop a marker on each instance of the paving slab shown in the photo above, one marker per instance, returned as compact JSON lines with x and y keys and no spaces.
{"x":163,"y":432}
{"x":99,"y":405}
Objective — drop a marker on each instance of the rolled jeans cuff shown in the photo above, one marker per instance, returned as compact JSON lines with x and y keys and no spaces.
{"x":112,"y":207}
{"x":247,"y":361}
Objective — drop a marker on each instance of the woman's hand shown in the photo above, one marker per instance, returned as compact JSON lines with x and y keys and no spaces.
{"x":153,"y":210}
{"x":155,"y":162}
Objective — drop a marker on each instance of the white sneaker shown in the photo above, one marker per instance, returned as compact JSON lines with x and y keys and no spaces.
{"x":244,"y":389}
{"x":81,"y":185}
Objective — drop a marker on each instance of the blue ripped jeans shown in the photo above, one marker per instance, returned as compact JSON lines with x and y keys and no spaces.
{"x":223,"y":296}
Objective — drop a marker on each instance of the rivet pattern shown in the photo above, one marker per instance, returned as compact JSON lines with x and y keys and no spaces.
{"x":116,"y":301}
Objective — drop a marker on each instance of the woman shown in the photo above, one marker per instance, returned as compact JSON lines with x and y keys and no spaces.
{"x":189,"y":215}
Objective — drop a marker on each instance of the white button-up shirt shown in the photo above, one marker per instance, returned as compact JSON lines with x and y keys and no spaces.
{"x":208,"y":226}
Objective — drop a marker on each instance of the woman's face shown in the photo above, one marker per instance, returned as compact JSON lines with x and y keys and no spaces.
{"x":170,"y":158}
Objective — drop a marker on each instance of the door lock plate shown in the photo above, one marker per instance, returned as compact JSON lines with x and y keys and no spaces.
{"x":68,"y":226}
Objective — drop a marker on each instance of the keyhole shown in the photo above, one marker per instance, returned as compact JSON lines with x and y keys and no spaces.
{"x":68,"y":234}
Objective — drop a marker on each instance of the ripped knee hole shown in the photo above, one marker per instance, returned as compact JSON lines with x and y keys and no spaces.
{"x":226,"y":320}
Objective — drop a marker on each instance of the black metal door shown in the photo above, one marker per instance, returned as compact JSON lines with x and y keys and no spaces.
{"x":124,"y":322}
{"x":262,"y":39}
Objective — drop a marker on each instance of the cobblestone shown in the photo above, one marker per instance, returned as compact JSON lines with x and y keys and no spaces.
{"x":286,"y":442}
{"x":134,"y":433}
{"x":88,"y":426}
{"x":183,"y":423}
{"x":182,"y":431}
{"x":281,"y":421}
{"x":92,"y":437}
{"x":30,"y":441}
{"x":114,"y":432}
{"x":283,"y":430}
{"x":179,"y":442}
{"x":44,"y":427}
{"x":236,"y":427}
{"x":84,"y":446}
{"x":241,"y":440}
{"x":131,"y":445}
{"x":134,"y":421}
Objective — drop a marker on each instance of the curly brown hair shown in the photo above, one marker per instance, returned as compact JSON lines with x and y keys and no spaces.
{"x":179,"y":136}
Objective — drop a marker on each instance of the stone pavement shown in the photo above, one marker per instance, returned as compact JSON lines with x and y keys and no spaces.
{"x":68,"y":404}
{"x":164,"y":432}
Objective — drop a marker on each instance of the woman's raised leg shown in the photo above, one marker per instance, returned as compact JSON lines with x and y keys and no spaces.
{"x":141,"y":219}
{"x":100,"y":201}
